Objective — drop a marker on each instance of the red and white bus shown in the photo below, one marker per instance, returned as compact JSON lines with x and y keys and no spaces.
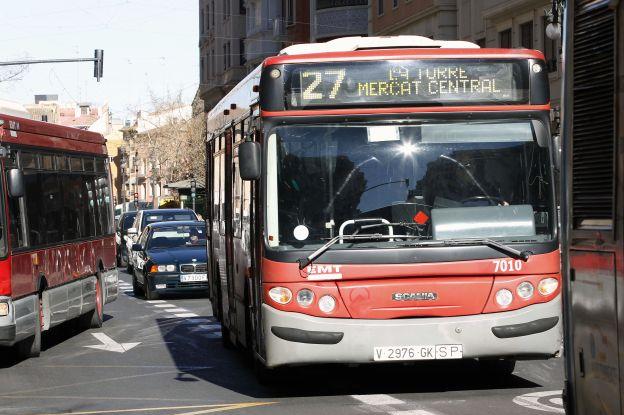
{"x":386,"y":199}
{"x":57,"y":245}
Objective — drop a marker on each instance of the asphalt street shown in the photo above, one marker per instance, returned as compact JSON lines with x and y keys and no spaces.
{"x":166,"y":358}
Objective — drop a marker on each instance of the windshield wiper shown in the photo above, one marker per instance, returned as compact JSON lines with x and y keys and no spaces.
{"x":304,"y":262}
{"x":514,"y":253}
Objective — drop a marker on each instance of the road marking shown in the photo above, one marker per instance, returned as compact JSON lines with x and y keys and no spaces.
{"x":164,"y":305}
{"x":184,"y":315}
{"x":155,"y":301}
{"x":547,"y":401}
{"x":111,"y":345}
{"x":412,"y":412}
{"x":378,"y":400}
{"x":175,"y":310}
{"x":206,"y":409}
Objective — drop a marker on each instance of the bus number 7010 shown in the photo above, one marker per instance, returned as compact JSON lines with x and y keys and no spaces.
{"x":507,"y":265}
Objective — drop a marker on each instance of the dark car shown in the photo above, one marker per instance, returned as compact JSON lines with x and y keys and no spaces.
{"x":170,"y":257}
{"x":121,"y":233}
{"x":145,"y":217}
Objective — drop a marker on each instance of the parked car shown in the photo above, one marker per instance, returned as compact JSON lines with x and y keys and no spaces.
{"x":121,"y":233}
{"x":170,"y":257}
{"x":147,"y":216}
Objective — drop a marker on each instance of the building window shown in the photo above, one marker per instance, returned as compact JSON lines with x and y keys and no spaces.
{"x":550,"y":50}
{"x":202,"y":16}
{"x":504,"y":38}
{"x":207,"y":17}
{"x":224,"y":55}
{"x":228,"y":54}
{"x":395,"y":4}
{"x":480,"y":42}
{"x":213,"y":66}
{"x":212,"y":16}
{"x":241,"y":7}
{"x":225,"y":8}
{"x":526,"y":35}
{"x":290,"y":11}
{"x":241,"y":49}
{"x":44,"y":118}
{"x":380,"y":6}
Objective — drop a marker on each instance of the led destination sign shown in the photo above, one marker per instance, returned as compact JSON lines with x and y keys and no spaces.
{"x":407,"y":82}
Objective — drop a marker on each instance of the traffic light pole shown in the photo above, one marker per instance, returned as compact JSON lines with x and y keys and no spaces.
{"x":98,"y":59}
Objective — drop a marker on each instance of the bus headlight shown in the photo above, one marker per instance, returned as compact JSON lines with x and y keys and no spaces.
{"x":548,"y":286}
{"x":327,"y":304}
{"x":525,"y":290}
{"x":504,"y":297}
{"x":305,"y":297}
{"x":280,"y":295}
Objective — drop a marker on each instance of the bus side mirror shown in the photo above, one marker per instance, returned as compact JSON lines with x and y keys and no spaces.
{"x":557,"y":151}
{"x":16,"y":183}
{"x":249,"y":154}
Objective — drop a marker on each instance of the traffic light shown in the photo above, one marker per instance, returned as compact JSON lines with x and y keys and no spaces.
{"x":98,"y":64}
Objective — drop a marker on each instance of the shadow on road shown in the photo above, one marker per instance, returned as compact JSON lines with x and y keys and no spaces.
{"x":200,"y":354}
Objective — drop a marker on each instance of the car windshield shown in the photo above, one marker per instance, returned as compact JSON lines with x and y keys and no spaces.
{"x":177,"y":236}
{"x":153,"y":217}
{"x":436,"y":181}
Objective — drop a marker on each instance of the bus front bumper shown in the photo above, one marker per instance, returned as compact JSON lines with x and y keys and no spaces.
{"x":293,"y":338}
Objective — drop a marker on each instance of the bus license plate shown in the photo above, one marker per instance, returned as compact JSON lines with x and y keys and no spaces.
{"x":429,"y":352}
{"x":193,"y":277}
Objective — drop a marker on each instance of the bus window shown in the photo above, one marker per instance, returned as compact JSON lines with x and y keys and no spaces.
{"x":51,"y":216}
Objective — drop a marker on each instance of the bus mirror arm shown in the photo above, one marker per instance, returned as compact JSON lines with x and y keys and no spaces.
{"x":250,"y":156}
{"x":16,"y":183}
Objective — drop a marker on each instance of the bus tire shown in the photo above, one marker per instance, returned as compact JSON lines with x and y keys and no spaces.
{"x":94,"y":319}
{"x":500,"y":367}
{"x":31,"y":347}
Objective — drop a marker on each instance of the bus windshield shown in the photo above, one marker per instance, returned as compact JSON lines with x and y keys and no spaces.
{"x":435,"y":181}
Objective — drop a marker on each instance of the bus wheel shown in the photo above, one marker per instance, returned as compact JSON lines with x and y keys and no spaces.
{"x":95,"y":318}
{"x":31,"y":347}
{"x":500,"y":367}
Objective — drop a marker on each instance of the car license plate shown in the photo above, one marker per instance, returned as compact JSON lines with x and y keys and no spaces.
{"x":193,"y":277}
{"x":427,"y":352}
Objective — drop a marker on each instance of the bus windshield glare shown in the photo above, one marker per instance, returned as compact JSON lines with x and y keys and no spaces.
{"x":437,"y":181}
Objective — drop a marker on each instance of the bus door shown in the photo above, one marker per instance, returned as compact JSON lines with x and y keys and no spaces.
{"x":240,"y":251}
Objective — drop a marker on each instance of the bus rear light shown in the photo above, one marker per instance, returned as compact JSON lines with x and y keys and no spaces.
{"x":525,"y":290}
{"x":4,"y":309}
{"x":327,"y":304}
{"x":280,"y":295}
{"x":504,"y":297}
{"x":548,"y":286}
{"x":305,"y":297}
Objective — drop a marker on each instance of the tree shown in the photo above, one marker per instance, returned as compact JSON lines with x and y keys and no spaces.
{"x":12,"y":73}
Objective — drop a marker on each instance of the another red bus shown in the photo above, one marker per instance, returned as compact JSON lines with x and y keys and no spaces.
{"x":57,"y":244}
{"x":386,"y":199}
{"x":593,"y":206}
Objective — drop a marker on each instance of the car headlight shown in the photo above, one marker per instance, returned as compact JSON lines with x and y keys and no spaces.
{"x":280,"y":295}
{"x":162,"y":268}
{"x":504,"y":297}
{"x":548,"y":286}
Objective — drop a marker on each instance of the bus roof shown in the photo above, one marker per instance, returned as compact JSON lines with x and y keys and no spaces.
{"x":23,"y":131}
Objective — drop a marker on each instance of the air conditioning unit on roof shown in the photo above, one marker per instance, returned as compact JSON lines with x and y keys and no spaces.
{"x":348,"y":44}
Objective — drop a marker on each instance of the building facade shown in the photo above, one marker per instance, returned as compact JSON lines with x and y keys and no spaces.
{"x":488,"y":23}
{"x":222,"y":56}
{"x":330,"y":19}
{"x":265,"y":30}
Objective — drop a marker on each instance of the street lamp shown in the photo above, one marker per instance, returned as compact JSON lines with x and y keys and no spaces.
{"x":553,"y":29}
{"x":193,"y":191}
{"x":122,"y":167}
